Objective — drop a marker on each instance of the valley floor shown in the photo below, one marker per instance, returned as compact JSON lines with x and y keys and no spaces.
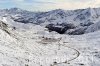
{"x":37,"y":47}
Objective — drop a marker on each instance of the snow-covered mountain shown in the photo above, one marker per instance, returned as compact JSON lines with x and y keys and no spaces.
{"x":54,"y":16}
{"x":79,"y":18}
{"x":26,"y":41}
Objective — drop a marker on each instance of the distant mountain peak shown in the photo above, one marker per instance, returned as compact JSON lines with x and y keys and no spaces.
{"x":15,"y":8}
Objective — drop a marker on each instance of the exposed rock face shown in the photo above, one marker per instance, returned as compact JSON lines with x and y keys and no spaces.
{"x":3,"y":25}
{"x":60,"y":28}
{"x":86,"y":24}
{"x":70,"y":29}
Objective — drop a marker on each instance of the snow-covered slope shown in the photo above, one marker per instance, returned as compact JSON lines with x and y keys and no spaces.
{"x":38,"y":47}
{"x":93,"y":28}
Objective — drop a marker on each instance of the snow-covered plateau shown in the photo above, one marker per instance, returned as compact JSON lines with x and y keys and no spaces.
{"x":53,"y":38}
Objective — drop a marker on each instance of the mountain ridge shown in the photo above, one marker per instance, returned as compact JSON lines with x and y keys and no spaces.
{"x":78,"y":17}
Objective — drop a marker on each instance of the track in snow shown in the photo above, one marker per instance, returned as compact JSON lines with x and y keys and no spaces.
{"x":77,"y":52}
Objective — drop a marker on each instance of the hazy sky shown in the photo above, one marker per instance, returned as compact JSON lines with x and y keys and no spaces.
{"x":44,"y":5}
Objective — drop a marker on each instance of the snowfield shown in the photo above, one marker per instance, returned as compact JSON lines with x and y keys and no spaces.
{"x":38,"y":48}
{"x":31,"y":44}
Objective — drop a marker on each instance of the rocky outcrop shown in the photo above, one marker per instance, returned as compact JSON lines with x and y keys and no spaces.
{"x":60,"y":28}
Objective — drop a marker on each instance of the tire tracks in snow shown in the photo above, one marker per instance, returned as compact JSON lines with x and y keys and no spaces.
{"x":66,"y":62}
